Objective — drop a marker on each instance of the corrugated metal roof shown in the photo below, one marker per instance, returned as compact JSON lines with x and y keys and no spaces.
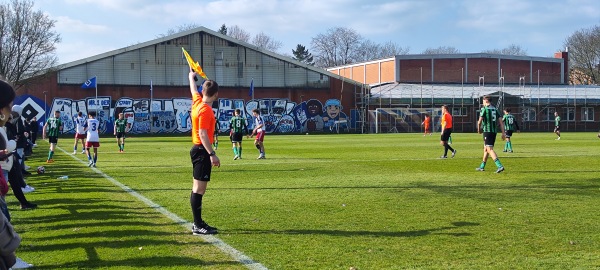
{"x":211,"y":32}
{"x":396,"y":90}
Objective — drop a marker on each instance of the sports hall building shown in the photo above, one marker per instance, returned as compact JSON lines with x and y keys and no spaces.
{"x":148,"y":82}
{"x":403,"y":88}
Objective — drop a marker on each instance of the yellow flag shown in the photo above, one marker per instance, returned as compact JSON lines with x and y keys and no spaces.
{"x":194,"y":65}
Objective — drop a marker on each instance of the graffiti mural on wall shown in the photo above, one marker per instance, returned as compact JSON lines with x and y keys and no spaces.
{"x":173,"y":115}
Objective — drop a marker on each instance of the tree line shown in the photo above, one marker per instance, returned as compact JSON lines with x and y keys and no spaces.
{"x":28,"y":46}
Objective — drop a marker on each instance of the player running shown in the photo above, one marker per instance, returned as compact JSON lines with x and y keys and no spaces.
{"x":52,"y":128}
{"x":510,"y":125}
{"x":427,"y":125}
{"x":487,"y":123}
{"x":238,"y":127}
{"x":93,"y":139}
{"x":79,"y":132}
{"x":120,"y":129}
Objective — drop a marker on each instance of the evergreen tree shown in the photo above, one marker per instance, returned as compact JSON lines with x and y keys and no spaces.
{"x":301,"y":54}
{"x":223,"y":29}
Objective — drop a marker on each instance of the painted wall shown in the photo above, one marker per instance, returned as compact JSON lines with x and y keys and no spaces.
{"x":173,"y":115}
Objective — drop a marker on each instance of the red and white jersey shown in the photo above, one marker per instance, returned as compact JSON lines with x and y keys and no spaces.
{"x":92,"y":130}
{"x":80,"y":125}
{"x":259,"y":121}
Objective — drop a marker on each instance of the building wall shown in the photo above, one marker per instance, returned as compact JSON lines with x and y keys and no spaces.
{"x":412,"y":69}
{"x":449,"y":68}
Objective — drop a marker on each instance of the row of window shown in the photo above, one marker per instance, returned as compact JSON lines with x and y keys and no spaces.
{"x":546,"y":114}
{"x":568,"y":114}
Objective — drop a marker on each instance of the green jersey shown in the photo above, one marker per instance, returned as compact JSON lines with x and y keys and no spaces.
{"x":237,"y":124}
{"x":54,"y":125}
{"x":509,"y":122}
{"x":557,"y":121}
{"x":490,"y":115}
{"x":120,"y":124}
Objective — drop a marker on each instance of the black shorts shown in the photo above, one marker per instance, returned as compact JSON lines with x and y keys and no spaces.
{"x":53,"y":139}
{"x":556,"y":128}
{"x":489,"y":138}
{"x":446,"y":134}
{"x":508,"y":133}
{"x":120,"y":135}
{"x":237,"y":137}
{"x":201,"y":163}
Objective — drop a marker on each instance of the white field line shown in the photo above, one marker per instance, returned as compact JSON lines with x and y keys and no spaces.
{"x":227,"y":249}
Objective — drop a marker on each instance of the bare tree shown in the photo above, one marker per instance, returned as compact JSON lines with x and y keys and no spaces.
{"x":266,"y":42}
{"x":391,"y":49}
{"x":336,"y":47}
{"x":179,"y":29}
{"x":27,"y":41}
{"x":441,"y":50}
{"x":512,"y":49}
{"x":238,"y":33}
{"x":584,"y":53}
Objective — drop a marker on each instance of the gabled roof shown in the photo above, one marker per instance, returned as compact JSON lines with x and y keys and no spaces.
{"x":211,"y":32}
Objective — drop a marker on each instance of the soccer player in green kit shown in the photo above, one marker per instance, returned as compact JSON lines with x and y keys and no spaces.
{"x":487,"y":123}
{"x":510,"y":125}
{"x":52,"y":128}
{"x":119,"y":131}
{"x":238,"y":127}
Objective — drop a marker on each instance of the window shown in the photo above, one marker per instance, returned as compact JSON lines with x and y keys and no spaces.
{"x":569,"y":114}
{"x":587,"y":114}
{"x":549,"y":113}
{"x":529,"y":114}
{"x":462,"y":111}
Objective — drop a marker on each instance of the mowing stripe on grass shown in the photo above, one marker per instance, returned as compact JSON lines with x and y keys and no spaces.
{"x":229,"y":250}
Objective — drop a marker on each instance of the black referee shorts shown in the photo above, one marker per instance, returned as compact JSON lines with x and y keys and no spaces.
{"x":201,"y":163}
{"x":446,"y":134}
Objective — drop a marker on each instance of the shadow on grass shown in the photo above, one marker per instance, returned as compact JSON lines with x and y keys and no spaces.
{"x":341,"y":233}
{"x":141,"y":263}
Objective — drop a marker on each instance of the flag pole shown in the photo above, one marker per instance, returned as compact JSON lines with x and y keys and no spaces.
{"x":96,"y":84}
{"x":150,"y":107}
{"x":252,"y":88}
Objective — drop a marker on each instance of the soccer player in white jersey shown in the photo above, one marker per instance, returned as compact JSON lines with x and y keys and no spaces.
{"x":93,"y":139}
{"x":259,"y":130}
{"x":79,"y":133}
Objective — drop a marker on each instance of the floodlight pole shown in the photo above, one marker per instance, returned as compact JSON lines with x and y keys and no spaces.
{"x":45,"y":114}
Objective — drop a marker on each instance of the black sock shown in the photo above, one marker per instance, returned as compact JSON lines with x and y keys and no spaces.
{"x":451,"y":149}
{"x":196,"y":203}
{"x":257,"y":147}
{"x":446,"y":148}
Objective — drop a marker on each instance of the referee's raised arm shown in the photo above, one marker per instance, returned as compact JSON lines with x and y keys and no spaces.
{"x":193,"y":88}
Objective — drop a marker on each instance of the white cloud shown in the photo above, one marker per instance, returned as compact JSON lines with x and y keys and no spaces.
{"x":66,"y":24}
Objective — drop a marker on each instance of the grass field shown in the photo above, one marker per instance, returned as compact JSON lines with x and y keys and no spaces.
{"x":378,"y":201}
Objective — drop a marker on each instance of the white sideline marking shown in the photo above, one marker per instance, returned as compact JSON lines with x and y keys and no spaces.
{"x":229,"y":250}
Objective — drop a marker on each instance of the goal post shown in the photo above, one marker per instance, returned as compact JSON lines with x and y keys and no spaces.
{"x":402,"y":119}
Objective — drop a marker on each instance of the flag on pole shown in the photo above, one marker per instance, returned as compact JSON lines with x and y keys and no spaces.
{"x":194,"y":65}
{"x":251,"y":87}
{"x":91,"y":83}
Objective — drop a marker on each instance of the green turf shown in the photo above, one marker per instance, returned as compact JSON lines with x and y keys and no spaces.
{"x":378,"y":201}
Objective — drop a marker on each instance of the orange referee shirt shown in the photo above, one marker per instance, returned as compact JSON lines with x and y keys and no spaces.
{"x":202,"y":118}
{"x":447,"y":120}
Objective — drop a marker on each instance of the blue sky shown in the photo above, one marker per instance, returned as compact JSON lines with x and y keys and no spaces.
{"x":90,"y":27}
